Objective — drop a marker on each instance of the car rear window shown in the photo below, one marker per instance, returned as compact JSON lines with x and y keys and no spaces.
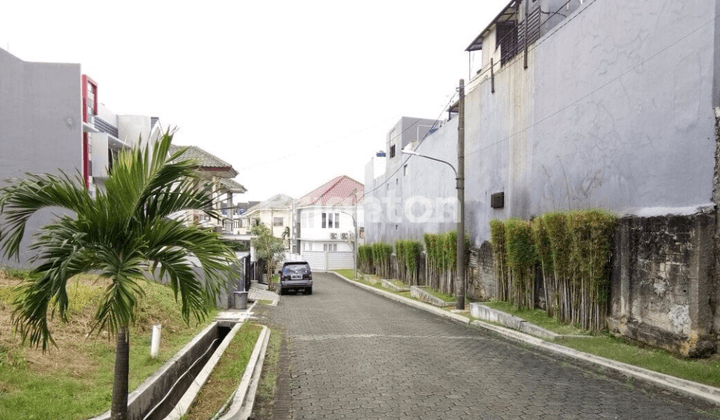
{"x":296,"y":269}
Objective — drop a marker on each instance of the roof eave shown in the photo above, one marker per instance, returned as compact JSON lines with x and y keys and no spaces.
{"x":477,"y":42}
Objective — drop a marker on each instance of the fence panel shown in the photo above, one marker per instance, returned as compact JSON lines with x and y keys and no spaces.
{"x":317,"y":260}
{"x":339,"y":260}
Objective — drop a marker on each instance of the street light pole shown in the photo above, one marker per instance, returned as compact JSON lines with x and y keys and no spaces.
{"x":355,"y":224}
{"x":355,"y":250}
{"x":460,"y":283}
{"x":460,"y":185}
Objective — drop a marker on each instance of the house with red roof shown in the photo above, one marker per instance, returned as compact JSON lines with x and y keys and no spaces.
{"x":325,"y":229}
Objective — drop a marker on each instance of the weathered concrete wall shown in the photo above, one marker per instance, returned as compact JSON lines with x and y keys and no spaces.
{"x":481,"y":273}
{"x":40,"y":125}
{"x":425,"y":187}
{"x":662,"y":283}
{"x":615,"y":111}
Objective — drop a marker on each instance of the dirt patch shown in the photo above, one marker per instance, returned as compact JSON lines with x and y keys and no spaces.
{"x":72,"y":353}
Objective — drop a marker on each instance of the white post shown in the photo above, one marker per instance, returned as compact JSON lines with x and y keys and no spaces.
{"x":155,"y":341}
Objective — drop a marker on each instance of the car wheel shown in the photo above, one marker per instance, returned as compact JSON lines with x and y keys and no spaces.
{"x":281,"y":292}
{"x":309,"y":290}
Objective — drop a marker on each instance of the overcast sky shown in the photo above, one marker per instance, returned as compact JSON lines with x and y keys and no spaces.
{"x":291,"y":93}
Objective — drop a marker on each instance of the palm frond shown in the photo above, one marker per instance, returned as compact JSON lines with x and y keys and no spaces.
{"x":117,"y":232}
{"x":173,"y":245}
{"x":23,"y":198}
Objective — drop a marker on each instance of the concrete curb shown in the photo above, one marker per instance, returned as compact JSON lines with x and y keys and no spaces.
{"x":410,"y":302}
{"x":694,"y":389}
{"x":190,"y":394}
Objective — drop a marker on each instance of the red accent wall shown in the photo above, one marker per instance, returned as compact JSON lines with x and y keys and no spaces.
{"x":93,"y":94}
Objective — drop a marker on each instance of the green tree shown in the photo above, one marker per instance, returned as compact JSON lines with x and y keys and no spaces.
{"x":286,"y":236}
{"x":268,"y":247}
{"x":120,"y":233}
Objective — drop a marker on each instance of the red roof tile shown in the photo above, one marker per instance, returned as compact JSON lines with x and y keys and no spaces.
{"x":339,"y":190}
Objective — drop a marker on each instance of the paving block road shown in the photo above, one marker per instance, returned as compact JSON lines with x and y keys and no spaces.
{"x":354,"y":355}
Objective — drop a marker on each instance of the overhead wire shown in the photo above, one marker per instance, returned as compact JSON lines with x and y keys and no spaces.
{"x":515,"y":60}
{"x":570,"y":104}
{"x":599,"y":88}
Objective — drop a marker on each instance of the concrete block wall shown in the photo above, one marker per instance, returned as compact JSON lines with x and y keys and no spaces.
{"x":662,"y":287}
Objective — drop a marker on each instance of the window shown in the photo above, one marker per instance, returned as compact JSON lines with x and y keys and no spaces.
{"x":330,"y":247}
{"x":307,"y":220}
{"x":405,"y":170}
{"x":328,"y":218}
{"x":392,"y":151}
{"x":277,"y":221}
{"x":396,"y":181}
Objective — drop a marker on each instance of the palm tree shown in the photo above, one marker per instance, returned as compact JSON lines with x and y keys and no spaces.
{"x":121,"y":233}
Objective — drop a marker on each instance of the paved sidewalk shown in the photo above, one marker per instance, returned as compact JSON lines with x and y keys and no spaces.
{"x":692,"y":389}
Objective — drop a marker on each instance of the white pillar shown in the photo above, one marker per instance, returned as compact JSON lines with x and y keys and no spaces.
{"x":155,"y":341}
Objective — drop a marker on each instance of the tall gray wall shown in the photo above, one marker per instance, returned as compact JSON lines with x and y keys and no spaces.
{"x":614,"y":111}
{"x":40,"y":123}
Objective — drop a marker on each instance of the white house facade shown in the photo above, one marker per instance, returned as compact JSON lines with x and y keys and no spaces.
{"x":324,"y":228}
{"x":275,"y":213}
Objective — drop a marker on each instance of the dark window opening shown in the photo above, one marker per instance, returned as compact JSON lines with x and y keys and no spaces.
{"x":392,"y":152}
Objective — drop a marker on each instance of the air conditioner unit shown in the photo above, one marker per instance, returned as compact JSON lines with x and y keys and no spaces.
{"x":333,"y":236}
{"x":344,"y":235}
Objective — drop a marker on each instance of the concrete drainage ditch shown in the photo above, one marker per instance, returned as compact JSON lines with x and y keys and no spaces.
{"x":168,"y":393}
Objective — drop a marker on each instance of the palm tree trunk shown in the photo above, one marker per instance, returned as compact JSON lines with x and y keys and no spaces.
{"x":119,"y":408}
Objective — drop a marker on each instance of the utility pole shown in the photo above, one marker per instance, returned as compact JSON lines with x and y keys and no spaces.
{"x":460,"y":281}
{"x":355,"y":222}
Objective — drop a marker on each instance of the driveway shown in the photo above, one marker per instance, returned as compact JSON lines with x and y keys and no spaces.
{"x":353,"y":354}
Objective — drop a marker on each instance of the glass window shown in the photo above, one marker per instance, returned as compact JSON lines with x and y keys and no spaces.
{"x":337,"y":220}
{"x":324,"y":220}
{"x":277,"y":221}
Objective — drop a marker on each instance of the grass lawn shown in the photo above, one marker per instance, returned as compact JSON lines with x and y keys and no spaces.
{"x":268,"y":380}
{"x":77,"y":376}
{"x":226,"y":375}
{"x":706,"y":371}
{"x":264,"y":302}
{"x":348,"y":272}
